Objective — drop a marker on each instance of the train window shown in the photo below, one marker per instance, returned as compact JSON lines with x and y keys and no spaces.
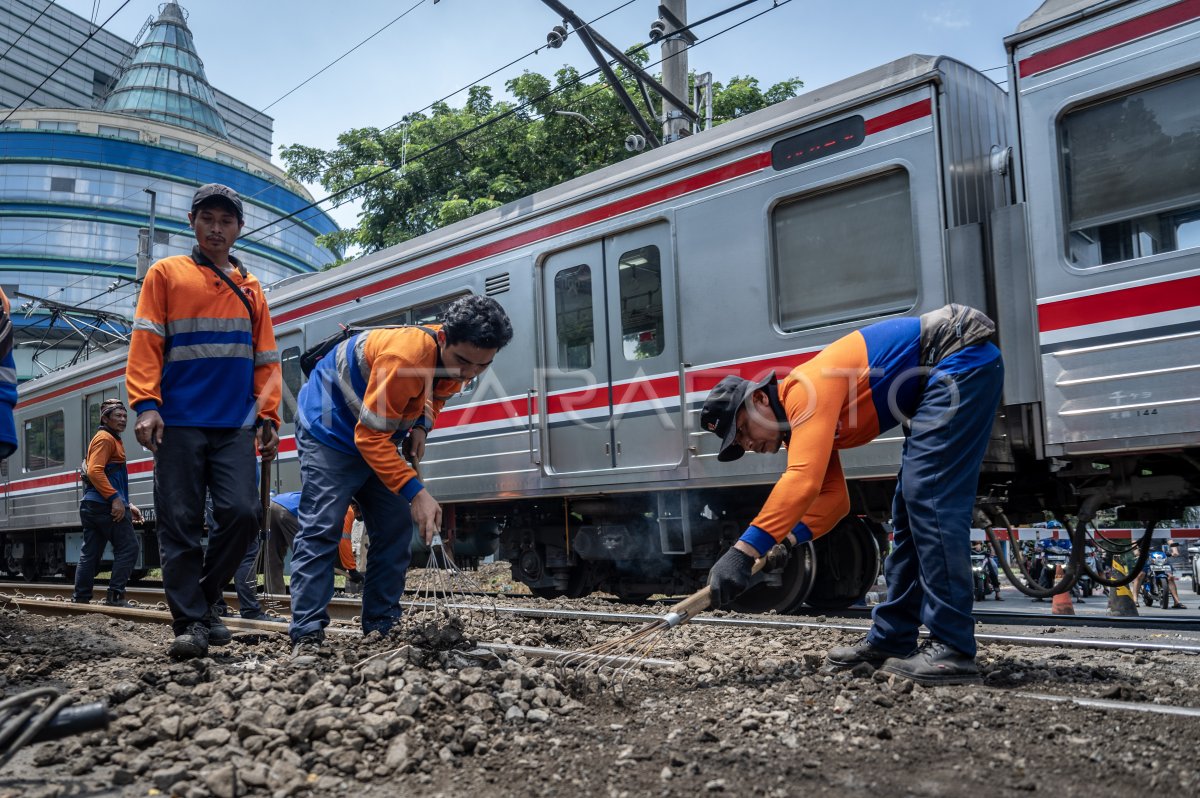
{"x":574,"y":325}
{"x":1132,"y":171}
{"x":45,"y":441}
{"x":293,"y":379}
{"x":642,"y":327}
{"x":845,"y":255}
{"x":94,"y":400}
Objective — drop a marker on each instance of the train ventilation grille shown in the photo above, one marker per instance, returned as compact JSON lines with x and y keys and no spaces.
{"x":496,"y":284}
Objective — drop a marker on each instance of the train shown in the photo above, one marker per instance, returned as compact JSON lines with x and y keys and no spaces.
{"x":1067,"y":206}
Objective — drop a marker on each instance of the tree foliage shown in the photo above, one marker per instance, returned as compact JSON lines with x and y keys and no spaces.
{"x":446,"y":174}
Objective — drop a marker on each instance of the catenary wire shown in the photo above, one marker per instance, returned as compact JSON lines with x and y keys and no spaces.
{"x":63,"y":63}
{"x":516,"y":109}
{"x":99,"y":269}
{"x":94,"y":272}
{"x":510,"y":112}
{"x":27,"y":29}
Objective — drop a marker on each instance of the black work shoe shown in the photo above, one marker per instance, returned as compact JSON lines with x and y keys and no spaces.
{"x":935,"y":664}
{"x":115,"y":598}
{"x":218,"y":632}
{"x":191,"y":644}
{"x":306,"y":649}
{"x":263,"y":616}
{"x":853,"y":656}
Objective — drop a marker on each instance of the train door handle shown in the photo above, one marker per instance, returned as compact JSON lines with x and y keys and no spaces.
{"x":607,"y":448}
{"x":618,"y":448}
{"x":530,"y":398}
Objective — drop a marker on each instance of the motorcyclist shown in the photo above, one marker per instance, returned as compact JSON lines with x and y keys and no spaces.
{"x":1171,"y":567}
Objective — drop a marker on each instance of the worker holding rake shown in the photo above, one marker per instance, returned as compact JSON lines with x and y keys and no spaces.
{"x":941,"y":378}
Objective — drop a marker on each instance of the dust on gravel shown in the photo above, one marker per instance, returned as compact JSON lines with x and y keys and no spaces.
{"x":745,"y":712}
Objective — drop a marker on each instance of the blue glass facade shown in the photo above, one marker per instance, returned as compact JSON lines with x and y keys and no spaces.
{"x":71,"y":205}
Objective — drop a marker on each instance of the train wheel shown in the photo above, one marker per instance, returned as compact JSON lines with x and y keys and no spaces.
{"x":847,"y":564}
{"x":796,"y":583}
{"x":30,"y":571}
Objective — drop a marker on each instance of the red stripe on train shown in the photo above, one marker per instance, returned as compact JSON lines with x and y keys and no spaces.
{"x":1110,"y":37}
{"x":1123,"y":303}
{"x":69,"y":388}
{"x":739,"y":168}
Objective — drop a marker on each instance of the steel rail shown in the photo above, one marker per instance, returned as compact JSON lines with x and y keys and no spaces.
{"x":348,"y":609}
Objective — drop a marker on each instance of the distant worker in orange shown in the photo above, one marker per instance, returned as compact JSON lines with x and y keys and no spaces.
{"x":105,"y":512}
{"x":204,"y":378}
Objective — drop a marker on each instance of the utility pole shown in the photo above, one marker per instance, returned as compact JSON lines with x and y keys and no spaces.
{"x":674,"y":68}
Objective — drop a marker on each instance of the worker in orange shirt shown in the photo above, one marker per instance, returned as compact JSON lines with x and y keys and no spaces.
{"x":105,"y":512}
{"x":374,"y":392}
{"x":204,"y":378}
{"x":941,"y":377}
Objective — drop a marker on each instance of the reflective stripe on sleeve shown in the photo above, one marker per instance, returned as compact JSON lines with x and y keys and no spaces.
{"x":266,"y":356}
{"x":146,"y":325}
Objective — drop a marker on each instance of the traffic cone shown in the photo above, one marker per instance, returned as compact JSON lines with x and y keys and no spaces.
{"x":1121,"y":603}
{"x":1061,"y":604}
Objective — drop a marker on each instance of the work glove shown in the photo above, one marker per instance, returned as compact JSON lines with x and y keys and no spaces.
{"x":729,"y":577}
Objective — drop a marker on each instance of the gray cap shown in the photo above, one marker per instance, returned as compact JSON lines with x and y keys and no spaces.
{"x":223,"y":194}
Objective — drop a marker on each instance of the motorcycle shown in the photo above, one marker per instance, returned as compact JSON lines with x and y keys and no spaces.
{"x":980,"y":576}
{"x":1156,"y":585}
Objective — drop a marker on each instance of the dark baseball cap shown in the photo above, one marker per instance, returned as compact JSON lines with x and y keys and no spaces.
{"x":221,"y":194}
{"x":719,"y":414}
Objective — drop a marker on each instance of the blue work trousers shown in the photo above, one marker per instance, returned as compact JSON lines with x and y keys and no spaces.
{"x":928,"y":573}
{"x":245,"y":581}
{"x":330,"y":479}
{"x":99,"y":528}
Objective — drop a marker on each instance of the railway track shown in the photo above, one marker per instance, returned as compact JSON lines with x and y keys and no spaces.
{"x":344,"y":612}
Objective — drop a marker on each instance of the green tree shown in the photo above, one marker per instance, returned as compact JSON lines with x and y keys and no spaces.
{"x":522,"y":152}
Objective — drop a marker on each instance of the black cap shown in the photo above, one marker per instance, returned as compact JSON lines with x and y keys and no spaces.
{"x":719,"y":414}
{"x":223,"y":194}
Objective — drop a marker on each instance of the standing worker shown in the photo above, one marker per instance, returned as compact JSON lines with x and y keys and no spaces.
{"x":942,"y":378}
{"x":204,"y":378}
{"x":105,"y":511}
{"x":376,"y":390}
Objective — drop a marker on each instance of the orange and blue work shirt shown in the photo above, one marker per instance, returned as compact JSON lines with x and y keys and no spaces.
{"x":8,"y":389}
{"x":106,"y":469}
{"x":196,"y":355}
{"x":370,"y":390}
{"x":859,"y":386}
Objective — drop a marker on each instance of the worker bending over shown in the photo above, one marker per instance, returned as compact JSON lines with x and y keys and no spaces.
{"x":941,"y":378}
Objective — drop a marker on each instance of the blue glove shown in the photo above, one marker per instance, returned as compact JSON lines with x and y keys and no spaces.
{"x":729,"y":577}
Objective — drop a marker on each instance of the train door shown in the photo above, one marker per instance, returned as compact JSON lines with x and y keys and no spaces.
{"x":578,"y":402}
{"x":286,"y":474}
{"x":611,"y":357}
{"x":643,"y":349}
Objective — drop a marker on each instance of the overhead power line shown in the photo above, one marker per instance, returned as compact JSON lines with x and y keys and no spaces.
{"x":63,"y":63}
{"x":172,"y":234}
{"x":27,"y":29}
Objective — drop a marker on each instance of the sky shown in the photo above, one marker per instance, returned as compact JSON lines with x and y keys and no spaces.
{"x":259,"y":50}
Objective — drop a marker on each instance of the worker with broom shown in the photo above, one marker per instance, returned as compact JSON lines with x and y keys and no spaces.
{"x":370,"y":393}
{"x":941,"y":378}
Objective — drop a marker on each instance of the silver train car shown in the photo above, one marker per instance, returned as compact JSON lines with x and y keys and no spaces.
{"x":1069,"y":207}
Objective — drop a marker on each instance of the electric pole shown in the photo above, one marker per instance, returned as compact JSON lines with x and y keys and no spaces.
{"x":674,"y":68}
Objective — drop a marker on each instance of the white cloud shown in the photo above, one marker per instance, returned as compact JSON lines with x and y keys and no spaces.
{"x":949,"y":16}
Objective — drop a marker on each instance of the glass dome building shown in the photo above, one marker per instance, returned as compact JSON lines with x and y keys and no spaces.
{"x":118,"y":147}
